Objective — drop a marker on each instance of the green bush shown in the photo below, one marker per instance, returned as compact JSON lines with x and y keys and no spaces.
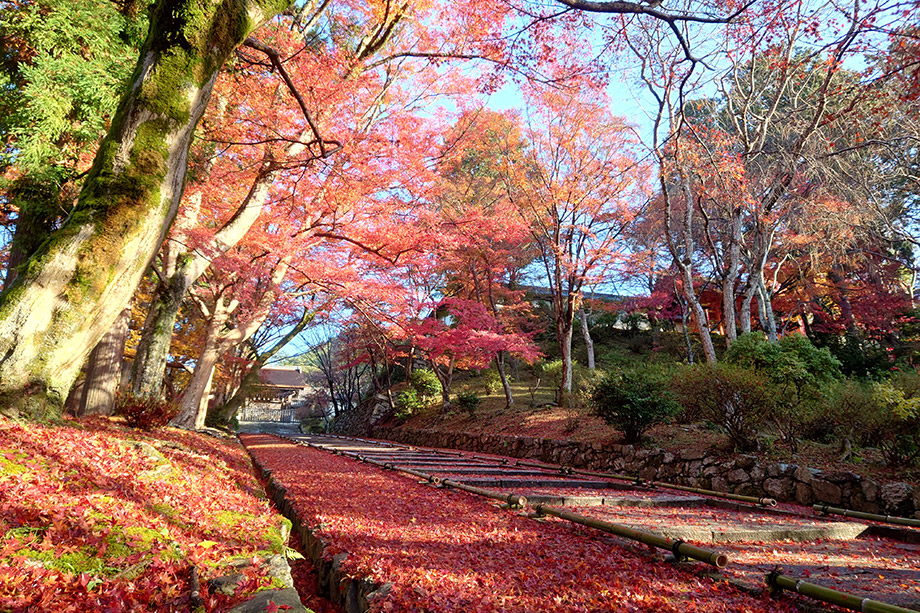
{"x":799,"y":373}
{"x":895,"y":427}
{"x":469,"y":401}
{"x":492,"y":382}
{"x":632,"y":401}
{"x":884,"y":415}
{"x":737,"y":399}
{"x":143,"y":412}
{"x":425,"y":383}
{"x":408,"y":403}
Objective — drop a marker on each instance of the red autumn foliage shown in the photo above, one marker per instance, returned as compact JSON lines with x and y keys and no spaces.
{"x":448,"y":551}
{"x":88,"y":523}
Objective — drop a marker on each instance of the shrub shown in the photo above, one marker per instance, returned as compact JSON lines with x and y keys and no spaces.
{"x":408,"y":403}
{"x":895,"y":425}
{"x":143,"y":412}
{"x":632,"y":402}
{"x":798,"y":371}
{"x":737,"y":399}
{"x":469,"y":401}
{"x":492,"y":382}
{"x":425,"y":383}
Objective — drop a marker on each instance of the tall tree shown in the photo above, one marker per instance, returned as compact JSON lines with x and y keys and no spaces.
{"x":576,"y":187}
{"x":65,"y":66}
{"x":83,"y":275}
{"x":487,"y":245}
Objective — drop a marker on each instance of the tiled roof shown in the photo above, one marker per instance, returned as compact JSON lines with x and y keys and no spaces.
{"x":282,"y":376}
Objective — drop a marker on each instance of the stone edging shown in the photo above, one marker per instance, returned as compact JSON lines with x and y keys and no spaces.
{"x":353,"y":595}
{"x":742,"y":475}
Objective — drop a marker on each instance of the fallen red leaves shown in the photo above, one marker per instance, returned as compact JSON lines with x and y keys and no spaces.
{"x":449,"y":551}
{"x":92,"y":521}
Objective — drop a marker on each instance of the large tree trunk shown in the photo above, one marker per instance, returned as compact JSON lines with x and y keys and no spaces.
{"x":103,"y":370}
{"x":72,"y":290}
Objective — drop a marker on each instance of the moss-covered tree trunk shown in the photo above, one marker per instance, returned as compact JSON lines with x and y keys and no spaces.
{"x":72,"y":290}
{"x":186,"y":266}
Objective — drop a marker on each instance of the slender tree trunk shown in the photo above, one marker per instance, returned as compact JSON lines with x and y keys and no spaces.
{"x":699,"y":315}
{"x":765,"y":306}
{"x":589,"y":342}
{"x":565,"y":347}
{"x":445,"y":377}
{"x":83,"y":276}
{"x":746,"y":301}
{"x":103,"y":371}
{"x":685,"y":324}
{"x":149,"y":368}
{"x":194,"y":407}
{"x":730,"y":279}
{"x":500,"y":367}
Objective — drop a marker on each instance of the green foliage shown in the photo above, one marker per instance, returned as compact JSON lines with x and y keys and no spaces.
{"x":65,"y":65}
{"x":492,"y":382}
{"x":633,"y":401}
{"x":469,"y":401}
{"x":798,"y":372}
{"x":793,"y":361}
{"x":736,"y":398}
{"x":425,"y":383}
{"x":885,"y":415}
{"x":550,"y":372}
{"x":74,"y":60}
{"x":408,"y":403}
{"x":144,"y":412}
{"x":862,"y":358}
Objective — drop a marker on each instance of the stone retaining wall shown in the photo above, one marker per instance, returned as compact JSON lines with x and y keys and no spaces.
{"x":742,"y":475}
{"x":353,"y":595}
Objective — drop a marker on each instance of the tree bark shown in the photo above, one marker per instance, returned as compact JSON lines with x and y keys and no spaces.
{"x":103,"y":371}
{"x":500,"y":367}
{"x":730,"y":279}
{"x":589,"y":342}
{"x":194,"y":406}
{"x":71,"y":291}
{"x":186,"y":267}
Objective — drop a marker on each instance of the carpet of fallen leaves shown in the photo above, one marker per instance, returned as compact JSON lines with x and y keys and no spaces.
{"x":869,"y":567}
{"x":92,"y":521}
{"x":450,"y":551}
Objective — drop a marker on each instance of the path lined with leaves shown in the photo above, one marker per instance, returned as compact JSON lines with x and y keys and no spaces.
{"x":449,"y":551}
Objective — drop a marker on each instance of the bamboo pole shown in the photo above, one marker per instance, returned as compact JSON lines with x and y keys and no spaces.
{"x":512,"y":499}
{"x":888,"y":519}
{"x":679,"y":548}
{"x":762,"y":501}
{"x":778,"y":581}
